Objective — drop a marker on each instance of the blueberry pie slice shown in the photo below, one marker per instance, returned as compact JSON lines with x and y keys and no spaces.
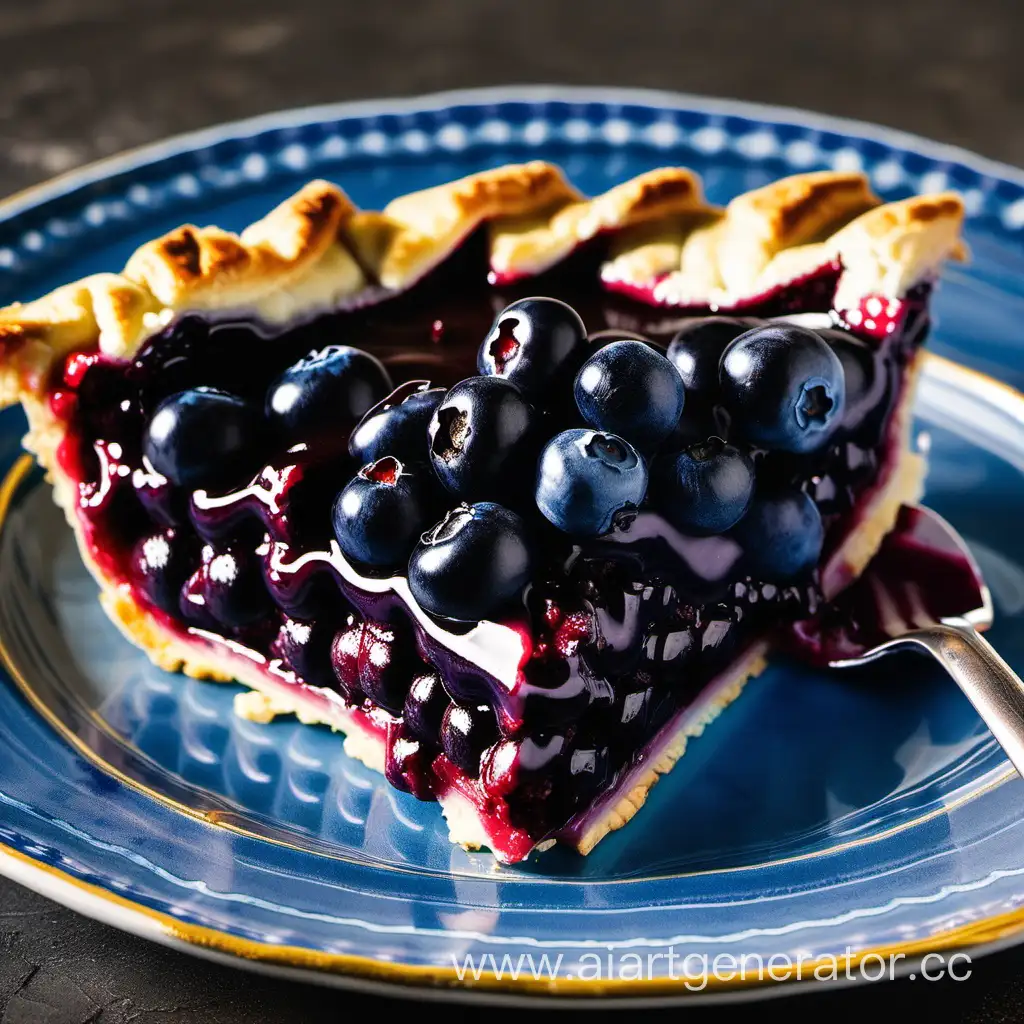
{"x":513,"y":487}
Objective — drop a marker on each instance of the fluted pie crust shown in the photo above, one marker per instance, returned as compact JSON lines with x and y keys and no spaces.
{"x":316,"y":252}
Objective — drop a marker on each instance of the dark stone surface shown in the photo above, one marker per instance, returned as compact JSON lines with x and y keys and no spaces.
{"x":86,"y":78}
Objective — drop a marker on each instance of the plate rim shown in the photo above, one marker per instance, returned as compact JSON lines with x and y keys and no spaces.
{"x":980,"y":936}
{"x":290,"y":117}
{"x":352,"y":972}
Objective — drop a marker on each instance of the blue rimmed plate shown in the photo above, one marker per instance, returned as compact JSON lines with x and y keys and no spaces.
{"x":824,"y":816}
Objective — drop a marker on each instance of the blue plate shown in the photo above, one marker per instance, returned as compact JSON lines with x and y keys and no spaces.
{"x":824,"y":816}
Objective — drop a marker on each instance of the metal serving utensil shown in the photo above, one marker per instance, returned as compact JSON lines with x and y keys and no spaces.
{"x":924,"y":592}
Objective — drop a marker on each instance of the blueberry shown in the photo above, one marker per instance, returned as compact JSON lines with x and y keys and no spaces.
{"x":424,"y":707}
{"x":784,"y":388}
{"x":707,"y":487}
{"x":466,"y":732}
{"x":325,"y":392}
{"x":781,"y":535}
{"x":407,"y":762}
{"x":305,"y":648}
{"x":164,"y":503}
{"x":697,"y":347}
{"x":865,"y":383}
{"x":532,"y":343}
{"x":472,"y":564}
{"x":345,"y":649}
{"x":196,"y":437}
{"x":161,"y":563}
{"x":585,"y":477}
{"x":373,"y":659}
{"x":398,"y":425}
{"x":627,"y":388}
{"x":385,"y":665}
{"x":380,"y":513}
{"x":228,"y":588}
{"x":479,"y":437}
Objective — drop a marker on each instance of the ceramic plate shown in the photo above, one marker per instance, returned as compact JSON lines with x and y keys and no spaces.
{"x":823,"y":816}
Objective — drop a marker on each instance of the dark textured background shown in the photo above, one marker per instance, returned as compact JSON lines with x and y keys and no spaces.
{"x":82,"y":79}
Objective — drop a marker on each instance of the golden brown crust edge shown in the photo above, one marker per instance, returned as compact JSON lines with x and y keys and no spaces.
{"x":316,"y":252}
{"x":883,"y":250}
{"x":203,"y":266}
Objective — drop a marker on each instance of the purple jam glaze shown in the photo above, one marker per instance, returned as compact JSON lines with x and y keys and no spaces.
{"x":920,"y":575}
{"x":617,"y":636}
{"x":286,"y":498}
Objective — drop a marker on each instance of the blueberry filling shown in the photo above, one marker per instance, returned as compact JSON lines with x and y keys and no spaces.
{"x":329,"y":389}
{"x":586,"y":478}
{"x":627,"y":388}
{"x":533,"y":343}
{"x":480,"y":438}
{"x":397,"y":425}
{"x":473,"y":564}
{"x":381,"y":511}
{"x":784,"y":387}
{"x":636,"y":563}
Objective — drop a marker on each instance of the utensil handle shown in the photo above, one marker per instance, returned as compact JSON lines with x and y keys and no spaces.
{"x":994,"y":689}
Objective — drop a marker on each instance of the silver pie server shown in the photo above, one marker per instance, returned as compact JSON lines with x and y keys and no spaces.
{"x":924,"y":592}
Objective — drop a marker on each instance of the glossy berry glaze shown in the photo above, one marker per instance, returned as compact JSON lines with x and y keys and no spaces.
{"x":530,"y":718}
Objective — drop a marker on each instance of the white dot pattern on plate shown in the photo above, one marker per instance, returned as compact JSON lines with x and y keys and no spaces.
{"x":758,"y":145}
{"x":847,"y":159}
{"x":887,"y":175}
{"x":255,"y":166}
{"x":1013,"y":215}
{"x":375,"y":143}
{"x":298,"y":149}
{"x":802,"y":153}
{"x":295,"y":156}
